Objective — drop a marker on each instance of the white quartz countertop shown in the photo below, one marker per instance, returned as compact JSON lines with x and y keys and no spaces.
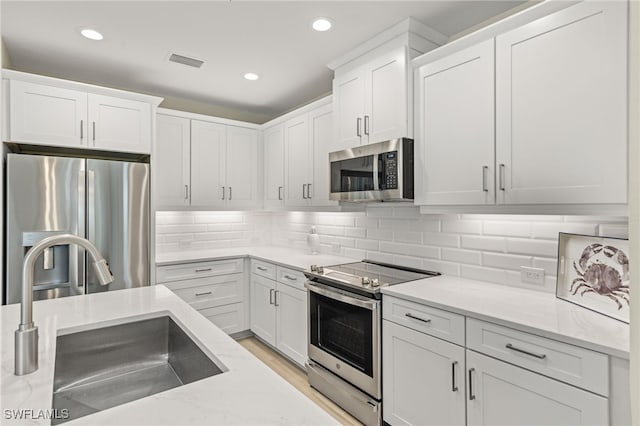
{"x":285,"y":256}
{"x":249,"y":393}
{"x":527,"y":310}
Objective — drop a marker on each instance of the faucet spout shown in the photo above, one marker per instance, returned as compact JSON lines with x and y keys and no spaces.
{"x":26,"y":336}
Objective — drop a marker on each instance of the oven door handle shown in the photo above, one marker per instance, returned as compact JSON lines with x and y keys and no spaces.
{"x":369,"y":304}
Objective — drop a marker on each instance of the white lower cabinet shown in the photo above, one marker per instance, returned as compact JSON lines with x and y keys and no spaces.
{"x":216,"y":289}
{"x":503,"y":394}
{"x":518,"y":379}
{"x":423,"y":378}
{"x":279,"y":310}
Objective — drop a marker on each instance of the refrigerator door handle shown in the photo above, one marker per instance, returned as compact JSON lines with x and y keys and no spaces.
{"x":80,"y":253}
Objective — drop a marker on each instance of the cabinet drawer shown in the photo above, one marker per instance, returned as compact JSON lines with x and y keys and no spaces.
{"x":433,"y":321}
{"x":291,"y":277}
{"x":571,"y":364}
{"x":211,"y":291}
{"x":263,"y":269}
{"x":229,"y":318}
{"x":186,"y":271}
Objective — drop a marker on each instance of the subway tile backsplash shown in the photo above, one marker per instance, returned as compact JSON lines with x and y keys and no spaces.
{"x":482,"y":247}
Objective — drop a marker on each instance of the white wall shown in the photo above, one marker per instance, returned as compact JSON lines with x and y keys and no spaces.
{"x":482,"y":247}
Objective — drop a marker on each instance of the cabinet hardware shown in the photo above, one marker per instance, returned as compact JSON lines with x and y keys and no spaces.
{"x":409,"y":315}
{"x":186,"y":192}
{"x":454,"y":388}
{"x":309,"y":191}
{"x":304,"y":188}
{"x":291,"y":278}
{"x":358,"y":123}
{"x":94,"y":132}
{"x":203,"y":270}
{"x":223,"y":192}
{"x":230,"y":193}
{"x":81,"y":129}
{"x":271,"y":291}
{"x":501,"y":177}
{"x":366,"y":125}
{"x":471,"y":395}
{"x":522,"y":351}
{"x":261,"y":268}
{"x":206,"y":293}
{"x":275,"y":297}
{"x":280,"y":192}
{"x":484,"y":178}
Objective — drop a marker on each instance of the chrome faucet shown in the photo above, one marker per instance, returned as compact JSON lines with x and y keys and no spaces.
{"x":26,"y":336}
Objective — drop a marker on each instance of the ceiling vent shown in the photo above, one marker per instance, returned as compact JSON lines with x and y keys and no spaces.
{"x":185,"y":60}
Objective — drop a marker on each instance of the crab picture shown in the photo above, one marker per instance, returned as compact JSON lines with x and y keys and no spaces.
{"x":603,"y":270}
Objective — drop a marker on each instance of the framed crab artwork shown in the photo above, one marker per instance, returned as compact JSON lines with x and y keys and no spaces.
{"x":593,"y":272}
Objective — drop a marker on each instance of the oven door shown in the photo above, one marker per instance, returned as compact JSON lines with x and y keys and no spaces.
{"x":344,"y":335}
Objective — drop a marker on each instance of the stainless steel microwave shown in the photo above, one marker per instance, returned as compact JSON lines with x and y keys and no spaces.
{"x":377,"y":172}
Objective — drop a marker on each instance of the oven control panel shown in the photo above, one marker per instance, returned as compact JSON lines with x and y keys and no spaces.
{"x":389,"y":169}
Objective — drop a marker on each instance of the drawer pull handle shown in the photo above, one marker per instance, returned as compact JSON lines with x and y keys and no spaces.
{"x":291,"y":278}
{"x":260,"y":268}
{"x":203,"y":270}
{"x":408,"y":315}
{"x":454,"y":388}
{"x":206,"y":293}
{"x":513,"y":348}
{"x":471,"y":394}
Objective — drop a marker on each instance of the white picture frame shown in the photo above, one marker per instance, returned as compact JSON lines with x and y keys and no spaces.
{"x":593,"y":272}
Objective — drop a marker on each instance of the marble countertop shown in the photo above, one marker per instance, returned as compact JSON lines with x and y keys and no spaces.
{"x":248,"y":393}
{"x":285,"y":256}
{"x":527,"y":310}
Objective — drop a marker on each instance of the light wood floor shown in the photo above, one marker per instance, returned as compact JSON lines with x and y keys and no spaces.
{"x":297,"y":377}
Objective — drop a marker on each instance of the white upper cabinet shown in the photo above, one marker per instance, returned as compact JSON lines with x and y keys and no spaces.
{"x":560,"y":119}
{"x":386,"y":98}
{"x":171,"y":161}
{"x":218,"y":163}
{"x":561,"y":105}
{"x":373,"y":88}
{"x":298,"y":161}
{"x":321,"y":136}
{"x":119,"y":124}
{"x":273,"y":141}
{"x":241,"y":167}
{"x":208,"y":163}
{"x":348,"y":102}
{"x":47,"y":111}
{"x":371,"y":101}
{"x":455,"y":150}
{"x":47,"y":115}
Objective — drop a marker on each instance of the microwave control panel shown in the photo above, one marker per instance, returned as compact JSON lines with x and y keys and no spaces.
{"x":390,"y":169}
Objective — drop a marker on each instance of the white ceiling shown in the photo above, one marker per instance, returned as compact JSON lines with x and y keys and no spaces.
{"x":273,"y":39}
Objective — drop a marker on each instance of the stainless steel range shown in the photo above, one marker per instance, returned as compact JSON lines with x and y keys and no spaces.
{"x":344,"y":323}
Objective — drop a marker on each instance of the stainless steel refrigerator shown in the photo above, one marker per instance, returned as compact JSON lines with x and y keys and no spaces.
{"x":104,"y":201}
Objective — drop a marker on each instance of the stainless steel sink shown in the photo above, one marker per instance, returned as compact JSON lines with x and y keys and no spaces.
{"x":105,"y":367}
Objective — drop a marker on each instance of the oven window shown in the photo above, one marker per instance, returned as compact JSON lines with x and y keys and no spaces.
{"x":343,"y":330}
{"x":352,"y":175}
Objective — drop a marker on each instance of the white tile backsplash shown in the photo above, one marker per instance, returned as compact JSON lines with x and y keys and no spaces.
{"x":482,"y":247}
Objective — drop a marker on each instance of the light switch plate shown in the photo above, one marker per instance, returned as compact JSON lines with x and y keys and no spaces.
{"x":532,"y":275}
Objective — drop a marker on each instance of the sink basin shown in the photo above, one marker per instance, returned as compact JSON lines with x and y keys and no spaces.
{"x":105,"y":367}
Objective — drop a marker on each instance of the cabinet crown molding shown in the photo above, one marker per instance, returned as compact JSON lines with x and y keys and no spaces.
{"x":409,"y":26}
{"x":85,"y":87}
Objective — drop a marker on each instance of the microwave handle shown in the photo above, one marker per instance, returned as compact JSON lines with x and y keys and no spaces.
{"x":376,"y":181}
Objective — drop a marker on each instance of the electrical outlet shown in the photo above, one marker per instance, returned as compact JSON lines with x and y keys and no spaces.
{"x":532,"y":275}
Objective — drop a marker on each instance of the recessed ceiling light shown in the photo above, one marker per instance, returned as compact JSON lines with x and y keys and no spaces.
{"x":321,"y":24}
{"x":251,"y":76}
{"x":91,"y":34}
